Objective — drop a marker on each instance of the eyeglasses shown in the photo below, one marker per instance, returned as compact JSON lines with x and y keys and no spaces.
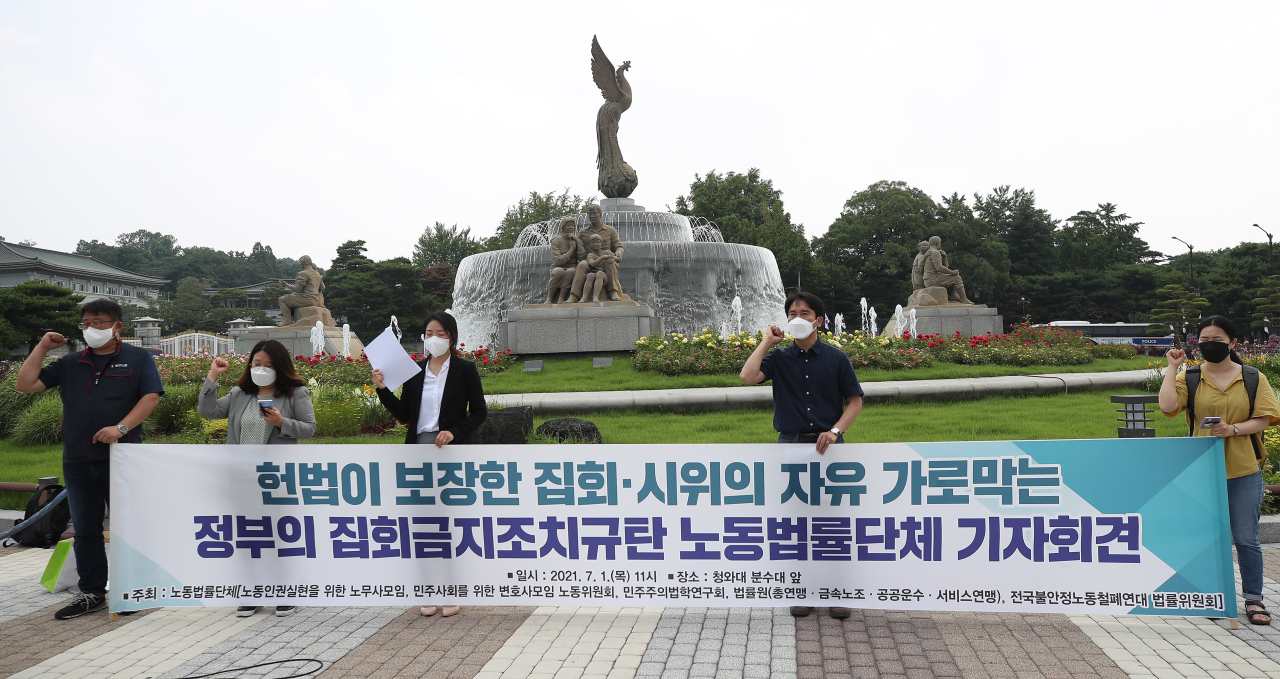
{"x":97,"y":325}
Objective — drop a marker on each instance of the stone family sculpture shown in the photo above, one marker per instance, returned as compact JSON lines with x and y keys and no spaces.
{"x":934,"y":282}
{"x":307,"y":291}
{"x":566,"y":249}
{"x":617,"y":179}
{"x":585,"y":266}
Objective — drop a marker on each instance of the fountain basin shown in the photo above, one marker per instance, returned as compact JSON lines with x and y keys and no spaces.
{"x":689,"y":284}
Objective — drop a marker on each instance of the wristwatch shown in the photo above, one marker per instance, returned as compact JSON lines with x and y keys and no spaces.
{"x":1237,"y":430}
{"x":123,"y":429}
{"x":836,"y":431}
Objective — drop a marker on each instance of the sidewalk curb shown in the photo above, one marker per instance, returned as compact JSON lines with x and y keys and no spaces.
{"x":728,"y":398}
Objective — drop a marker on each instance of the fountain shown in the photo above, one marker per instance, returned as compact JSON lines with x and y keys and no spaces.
{"x":676,"y":273}
{"x":839,"y":325}
{"x":689,"y":277}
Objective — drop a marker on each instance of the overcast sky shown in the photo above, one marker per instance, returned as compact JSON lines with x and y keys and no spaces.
{"x":305,"y":124}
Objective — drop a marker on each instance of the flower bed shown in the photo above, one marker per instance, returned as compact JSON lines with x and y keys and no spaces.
{"x":324,"y":369}
{"x":709,"y":352}
{"x":1024,"y":345}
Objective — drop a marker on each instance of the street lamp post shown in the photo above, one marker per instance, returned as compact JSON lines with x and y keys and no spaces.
{"x":1023,"y":301}
{"x":1191,"y":260}
{"x":1270,"y":270}
{"x":977,"y":288}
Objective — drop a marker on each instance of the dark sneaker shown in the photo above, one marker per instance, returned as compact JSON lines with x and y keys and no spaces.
{"x":840,"y":613}
{"x":246,"y":611}
{"x":81,"y":604}
{"x":800,"y":611}
{"x":285,"y":611}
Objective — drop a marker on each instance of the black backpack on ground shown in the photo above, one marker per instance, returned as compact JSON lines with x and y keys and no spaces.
{"x":47,"y":530}
{"x":1249,"y":376}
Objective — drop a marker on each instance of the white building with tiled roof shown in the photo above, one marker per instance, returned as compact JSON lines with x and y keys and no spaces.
{"x":80,"y":273}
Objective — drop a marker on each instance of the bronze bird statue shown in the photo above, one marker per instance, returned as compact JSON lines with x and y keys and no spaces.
{"x":617,"y":179}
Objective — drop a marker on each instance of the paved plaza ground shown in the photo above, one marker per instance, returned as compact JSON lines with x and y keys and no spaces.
{"x":573,"y":642}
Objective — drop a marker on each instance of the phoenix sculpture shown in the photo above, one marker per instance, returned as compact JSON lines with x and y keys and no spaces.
{"x":617,"y":179}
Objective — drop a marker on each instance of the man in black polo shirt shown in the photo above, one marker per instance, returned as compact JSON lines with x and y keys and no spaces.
{"x":816,"y":394}
{"x":107,"y":391}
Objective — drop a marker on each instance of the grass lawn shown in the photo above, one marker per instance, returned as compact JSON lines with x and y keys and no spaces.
{"x":1083,"y":415}
{"x":23,"y":464}
{"x":576,"y":374}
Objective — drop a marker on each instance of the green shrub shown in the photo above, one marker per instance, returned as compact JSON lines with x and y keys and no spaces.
{"x":13,"y":403}
{"x":189,"y":436}
{"x":40,"y":424}
{"x":1113,"y":350}
{"x":191,"y":421}
{"x":171,"y":413}
{"x":337,"y":418}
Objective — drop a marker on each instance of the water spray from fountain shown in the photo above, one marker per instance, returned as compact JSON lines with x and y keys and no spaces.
{"x":871,"y":316}
{"x":913,"y":323}
{"x":839,"y":325}
{"x":679,"y":266}
{"x":865,"y":324}
{"x":899,"y":322}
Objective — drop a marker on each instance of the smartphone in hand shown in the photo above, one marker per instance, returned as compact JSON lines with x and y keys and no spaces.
{"x":263,"y":404}
{"x":1208,"y":422}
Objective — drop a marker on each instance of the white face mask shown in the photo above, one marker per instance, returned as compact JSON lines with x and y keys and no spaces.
{"x":799,"y":328}
{"x":95,"y":337}
{"x":262,"y":376}
{"x":437,"y":346}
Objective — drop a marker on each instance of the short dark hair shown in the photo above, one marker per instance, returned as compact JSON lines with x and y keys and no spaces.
{"x":450,"y":326}
{"x":808,"y":298}
{"x":104,"y":306}
{"x":286,"y":377}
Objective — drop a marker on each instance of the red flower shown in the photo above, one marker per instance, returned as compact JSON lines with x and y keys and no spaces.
{"x":486,"y":361}
{"x":297,"y":357}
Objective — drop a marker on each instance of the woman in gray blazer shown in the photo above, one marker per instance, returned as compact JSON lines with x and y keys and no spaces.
{"x":269,"y":376}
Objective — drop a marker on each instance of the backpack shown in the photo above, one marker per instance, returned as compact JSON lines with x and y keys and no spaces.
{"x":47,"y":530}
{"x":1249,"y":375}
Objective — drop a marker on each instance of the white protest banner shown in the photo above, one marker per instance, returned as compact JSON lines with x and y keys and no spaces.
{"x":1101,"y":526}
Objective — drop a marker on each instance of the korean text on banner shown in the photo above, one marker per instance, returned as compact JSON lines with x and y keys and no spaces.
{"x":1103,"y":526}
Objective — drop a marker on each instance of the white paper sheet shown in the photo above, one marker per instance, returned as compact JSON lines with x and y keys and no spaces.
{"x":386,"y":354}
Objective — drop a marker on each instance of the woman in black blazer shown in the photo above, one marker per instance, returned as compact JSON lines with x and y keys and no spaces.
{"x":443,"y":403}
{"x":454,"y":406}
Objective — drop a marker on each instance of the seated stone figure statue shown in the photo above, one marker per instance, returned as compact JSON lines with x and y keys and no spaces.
{"x":937,"y":274}
{"x":566,"y":250}
{"x":612,"y":244}
{"x":307,"y":291}
{"x":917,"y":266}
{"x":600,"y":263}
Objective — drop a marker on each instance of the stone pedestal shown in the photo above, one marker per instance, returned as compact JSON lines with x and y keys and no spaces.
{"x":308,"y":315}
{"x":298,"y":340}
{"x":946,"y":320}
{"x":577,"y":328}
{"x":620,"y":205}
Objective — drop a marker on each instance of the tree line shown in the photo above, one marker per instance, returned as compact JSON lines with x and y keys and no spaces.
{"x":1013,"y":254}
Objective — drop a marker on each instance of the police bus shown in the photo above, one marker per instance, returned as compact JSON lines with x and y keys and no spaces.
{"x":1120,"y":333}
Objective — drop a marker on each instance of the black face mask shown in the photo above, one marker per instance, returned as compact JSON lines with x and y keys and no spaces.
{"x":1215,"y":352}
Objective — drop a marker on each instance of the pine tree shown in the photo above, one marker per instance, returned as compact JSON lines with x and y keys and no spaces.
{"x":1267,"y":304}
{"x":1179,"y":310}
